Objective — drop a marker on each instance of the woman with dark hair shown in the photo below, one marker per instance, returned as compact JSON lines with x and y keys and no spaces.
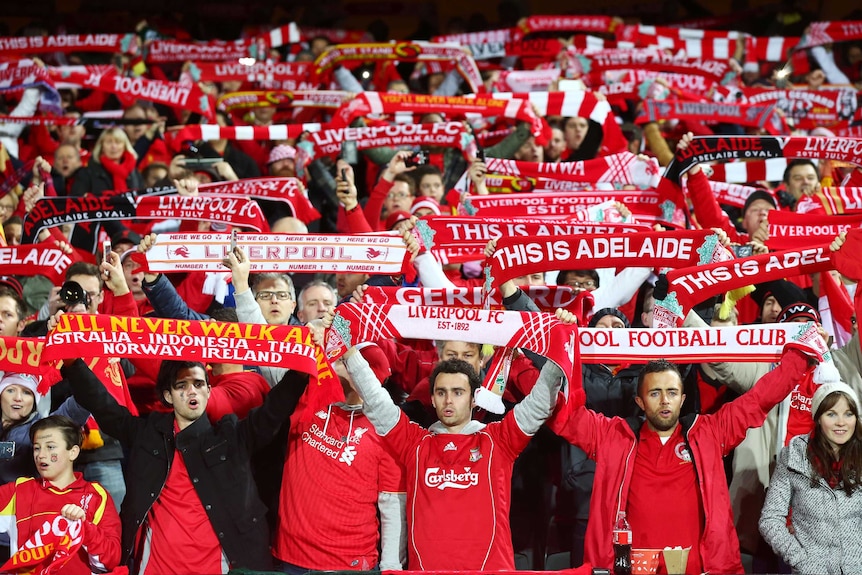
{"x":818,"y":477}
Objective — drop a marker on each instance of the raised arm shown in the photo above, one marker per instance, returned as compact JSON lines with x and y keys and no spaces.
{"x":160,"y":291}
{"x":91,"y":394}
{"x":378,"y":405}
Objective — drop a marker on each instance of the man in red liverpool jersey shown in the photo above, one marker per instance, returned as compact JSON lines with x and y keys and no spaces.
{"x":459,"y":471}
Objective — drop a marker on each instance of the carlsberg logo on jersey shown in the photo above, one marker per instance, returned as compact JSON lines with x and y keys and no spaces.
{"x":437,"y":479}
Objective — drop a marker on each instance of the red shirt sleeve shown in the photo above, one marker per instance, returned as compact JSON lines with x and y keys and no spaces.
{"x":102,"y":533}
{"x":375,"y":202}
{"x":236,"y":393}
{"x":409,"y":366}
{"x":356,"y":222}
{"x":709,"y":214}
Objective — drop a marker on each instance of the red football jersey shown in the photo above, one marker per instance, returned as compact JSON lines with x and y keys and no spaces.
{"x":334,"y":470}
{"x":458,"y":494}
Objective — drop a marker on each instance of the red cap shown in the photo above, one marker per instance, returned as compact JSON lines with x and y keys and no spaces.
{"x":376,"y":359}
{"x":13,"y":284}
{"x":396,"y":217}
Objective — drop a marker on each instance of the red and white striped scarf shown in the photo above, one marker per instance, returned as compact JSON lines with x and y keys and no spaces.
{"x":517,"y":256}
{"x":164,"y":51}
{"x":820,"y":33}
{"x":575,"y":103}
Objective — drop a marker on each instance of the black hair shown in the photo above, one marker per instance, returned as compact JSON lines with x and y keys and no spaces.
{"x":168,"y":376}
{"x":70,"y":430}
{"x":84,"y":269}
{"x":657,"y":366}
{"x":563,"y":275}
{"x":455,"y":366}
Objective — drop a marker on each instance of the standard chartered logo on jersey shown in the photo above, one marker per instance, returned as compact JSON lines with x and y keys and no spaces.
{"x":329,"y":446}
{"x":435,"y":478}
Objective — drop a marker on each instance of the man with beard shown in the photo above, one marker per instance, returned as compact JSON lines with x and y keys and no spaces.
{"x":665,"y":471}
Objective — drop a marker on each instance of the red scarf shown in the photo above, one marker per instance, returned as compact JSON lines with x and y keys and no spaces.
{"x":120,"y":171}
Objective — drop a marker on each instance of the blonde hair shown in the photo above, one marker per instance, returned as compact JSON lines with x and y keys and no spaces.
{"x":117,"y":133}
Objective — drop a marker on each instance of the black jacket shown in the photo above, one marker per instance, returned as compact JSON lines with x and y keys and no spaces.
{"x":216,"y":457}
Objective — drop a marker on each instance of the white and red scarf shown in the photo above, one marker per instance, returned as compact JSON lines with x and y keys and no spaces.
{"x":624,"y":169}
{"x":49,"y":548}
{"x":770,"y":170}
{"x":163,"y":51}
{"x":731,"y":194}
{"x":378,"y":253}
{"x":789,"y":230}
{"x":127,"y":90}
{"x":250,"y":99}
{"x":41,"y":259}
{"x":820,"y":33}
{"x":591,"y":66}
{"x":831,"y":201}
{"x":328,"y":141}
{"x":534,"y":24}
{"x":56,"y":211}
{"x":573,"y":103}
{"x":209,"y":132}
{"x":450,"y":106}
{"x":547,"y":298}
{"x":295,"y":74}
{"x":808,"y":109}
{"x":68,"y":43}
{"x":646,"y":205}
{"x":723,"y":149}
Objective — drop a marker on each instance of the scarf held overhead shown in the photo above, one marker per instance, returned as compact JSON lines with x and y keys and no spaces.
{"x":402,"y":52}
{"x":681,"y":289}
{"x":52,"y":212}
{"x":541,"y":333}
{"x":789,"y":230}
{"x":463,"y":239}
{"x":383,"y":253}
{"x":204,"y":341}
{"x":450,"y":106}
{"x":678,"y":249}
{"x":723,"y":149}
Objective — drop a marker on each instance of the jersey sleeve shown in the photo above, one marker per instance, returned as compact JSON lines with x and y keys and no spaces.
{"x":102,"y":530}
{"x":390,"y":473}
{"x":512,"y":439}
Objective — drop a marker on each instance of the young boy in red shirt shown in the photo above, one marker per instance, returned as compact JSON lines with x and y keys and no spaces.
{"x":60,"y":519}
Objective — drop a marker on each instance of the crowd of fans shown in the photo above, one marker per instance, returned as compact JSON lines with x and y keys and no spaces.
{"x":173,"y":466}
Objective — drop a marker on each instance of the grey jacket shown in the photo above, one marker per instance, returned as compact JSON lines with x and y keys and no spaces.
{"x":828,"y":523}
